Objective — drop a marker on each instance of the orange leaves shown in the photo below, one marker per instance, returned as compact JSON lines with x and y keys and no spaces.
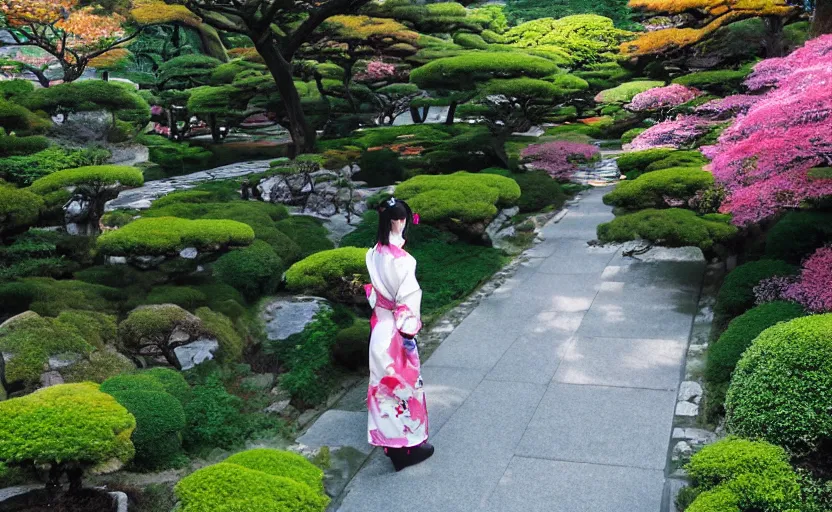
{"x":111,"y":59}
{"x":87,"y":30}
{"x":152,"y":12}
{"x":24,"y":12}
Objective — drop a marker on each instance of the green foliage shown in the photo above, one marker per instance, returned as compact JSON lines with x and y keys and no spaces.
{"x":97,"y":329}
{"x":725,"y":352}
{"x":673,"y":227}
{"x":183,"y":296}
{"x":380,"y":168}
{"x":464,"y":196}
{"x":677,"y":159}
{"x":471,"y":41}
{"x":172,"y":381}
{"x":228,"y":487}
{"x":519,"y":11}
{"x":21,"y":146}
{"x":159,"y":422}
{"x":625,"y":92}
{"x":798,"y":234}
{"x":635,"y":163}
{"x":23,"y":170}
{"x":95,"y":177}
{"x":65,"y":423}
{"x":352,"y":345}
{"x":326,"y":271}
{"x":19,"y":120}
{"x":744,"y":476}
{"x":231,"y":343}
{"x":91,"y":95}
{"x":781,"y":390}
{"x":628,"y":136}
{"x":214,"y":417}
{"x":737,"y":293}
{"x":254,"y":270}
{"x":50,"y":297}
{"x":175,"y":157}
{"x":16,"y":89}
{"x":653,"y":189}
{"x":723,"y":82}
{"x":537,"y":191}
{"x":18,"y":208}
{"x":308,"y":233}
{"x":132,"y":382}
{"x":187,"y":71}
{"x":466,"y":71}
{"x":280,"y":463}
{"x":168,"y":235}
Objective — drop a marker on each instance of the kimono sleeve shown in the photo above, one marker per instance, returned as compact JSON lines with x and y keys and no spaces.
{"x":408,"y":300}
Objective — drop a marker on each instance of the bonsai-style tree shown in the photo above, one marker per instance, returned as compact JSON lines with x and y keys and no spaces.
{"x":394,"y":100}
{"x":707,"y":16}
{"x":177,"y":17}
{"x":519,"y":11}
{"x":220,"y":107}
{"x":70,"y":428}
{"x":19,"y":208}
{"x":70,"y":30}
{"x":277,"y":28}
{"x":157,"y":330}
{"x":91,"y":186}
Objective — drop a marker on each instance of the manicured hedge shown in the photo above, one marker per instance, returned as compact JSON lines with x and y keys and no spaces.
{"x":172,"y":381}
{"x":737,"y":293}
{"x":49,"y":297}
{"x":323,"y":271}
{"x":678,"y":159}
{"x":281,"y":463}
{"x":169,"y":235}
{"x":673,"y":227}
{"x":636,"y":163}
{"x":651,"y":190}
{"x":132,"y":382}
{"x":308,"y":233}
{"x":96,"y":176}
{"x":537,"y":191}
{"x":741,"y":332}
{"x":781,"y":390}
{"x":97,"y":329}
{"x":65,"y":423}
{"x":18,"y":208}
{"x":255,"y":270}
{"x":719,"y":81}
{"x":91,"y":95}
{"x":228,"y":487}
{"x":17,"y":119}
{"x":464,"y":71}
{"x":738,"y":475}
{"x":798,"y":234}
{"x":13,"y":145}
{"x":626,"y":91}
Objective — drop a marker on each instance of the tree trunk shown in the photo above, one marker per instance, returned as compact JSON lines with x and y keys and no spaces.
{"x":303,"y":135}
{"x":822,"y":18}
{"x":451,"y":113}
{"x":170,"y":357}
{"x":416,"y":115}
{"x":43,"y":80}
{"x":75,"y":476}
{"x":215,"y":129}
{"x":773,"y":39}
{"x":500,"y":150}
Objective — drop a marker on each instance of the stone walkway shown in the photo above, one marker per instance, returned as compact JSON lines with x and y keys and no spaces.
{"x":556,"y":394}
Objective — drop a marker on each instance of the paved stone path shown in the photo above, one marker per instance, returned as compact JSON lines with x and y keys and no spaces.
{"x":556,"y":394}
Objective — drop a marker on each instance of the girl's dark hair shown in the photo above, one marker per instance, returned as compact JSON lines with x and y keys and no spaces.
{"x":387,"y":214}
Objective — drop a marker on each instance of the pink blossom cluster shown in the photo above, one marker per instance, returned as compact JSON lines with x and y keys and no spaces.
{"x":772,"y":289}
{"x":813,"y":289}
{"x":559,"y":158}
{"x":658,"y":98}
{"x":724,"y":108}
{"x":763,"y":158}
{"x":377,"y":70}
{"x":672,"y":133}
{"x":156,"y":110}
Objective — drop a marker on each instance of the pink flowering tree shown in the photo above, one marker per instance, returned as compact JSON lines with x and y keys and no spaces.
{"x":813,"y":289}
{"x":560,"y":158}
{"x":764,"y":158}
{"x":662,"y":98}
{"x":727,"y":108}
{"x":677,"y":133}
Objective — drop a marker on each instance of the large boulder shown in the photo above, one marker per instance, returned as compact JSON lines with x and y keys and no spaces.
{"x":288,"y":315}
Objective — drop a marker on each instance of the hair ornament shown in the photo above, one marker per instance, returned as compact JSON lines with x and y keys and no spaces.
{"x":416,"y":219}
{"x":391,"y":202}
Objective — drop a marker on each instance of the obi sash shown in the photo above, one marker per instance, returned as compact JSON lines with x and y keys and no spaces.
{"x":406,"y":322}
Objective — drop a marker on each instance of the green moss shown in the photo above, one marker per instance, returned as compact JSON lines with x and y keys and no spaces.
{"x":168,"y":235}
{"x":637,"y":161}
{"x":231,"y":343}
{"x":625,"y":92}
{"x":652,"y":190}
{"x":323,"y":271}
{"x":281,"y":463}
{"x":472,"y":41}
{"x":720,"y":81}
{"x":18,"y":208}
{"x":253,"y":270}
{"x":628,"y":136}
{"x":538,"y":191}
{"x":465,"y":71}
{"x":96,"y":176}
{"x":308,"y":233}
{"x":67,"y":423}
{"x":50,"y":297}
{"x":737,"y":293}
{"x":780,"y":390}
{"x":98,"y":329}
{"x":380,"y":168}
{"x":798,"y":234}
{"x":672,"y":227}
{"x":172,"y":381}
{"x":19,"y":120}
{"x":352,"y":345}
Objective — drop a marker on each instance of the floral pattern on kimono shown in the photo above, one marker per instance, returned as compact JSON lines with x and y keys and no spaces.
{"x":395,"y":395}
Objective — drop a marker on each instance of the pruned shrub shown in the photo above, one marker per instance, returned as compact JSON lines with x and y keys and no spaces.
{"x":254,"y":271}
{"x":231,"y":343}
{"x":49,"y":297}
{"x":18,"y":119}
{"x":308,"y":233}
{"x":23,"y":170}
{"x":673,"y":227}
{"x":379,"y":168}
{"x":636,"y":163}
{"x":660,"y":189}
{"x":157,"y":330}
{"x":798,"y":234}
{"x":718,"y":81}
{"x":281,"y":463}
{"x":12,"y":145}
{"x":18,"y":208}
{"x":352,"y":345}
{"x":215,"y":417}
{"x":172,"y":381}
{"x":625,"y":92}
{"x":175,"y":157}
{"x":329,"y":273}
{"x":781,"y":390}
{"x":169,"y":235}
{"x":95,"y":176}
{"x":91,"y":95}
{"x":538,"y":191}
{"x":98,"y":329}
{"x":65,"y":426}
{"x":737,"y":293}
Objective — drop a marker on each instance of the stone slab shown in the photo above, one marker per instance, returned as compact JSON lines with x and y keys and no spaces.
{"x":336,"y":429}
{"x":537,"y":485}
{"x":531,"y":359}
{"x":680,"y":275}
{"x":622,"y":362}
{"x":446,"y":390}
{"x":601,"y":425}
{"x":576,"y":257}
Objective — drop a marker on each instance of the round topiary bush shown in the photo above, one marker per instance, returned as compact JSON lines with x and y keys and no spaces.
{"x":169,"y":235}
{"x":380,"y":167}
{"x":743,"y":476}
{"x":637,"y":161}
{"x":327,"y":273}
{"x":254,"y":271}
{"x":66,"y":426}
{"x":281,"y":463}
{"x":173,"y":382}
{"x":781,"y":390}
{"x":538,"y":191}
{"x":798,"y":234}
{"x":625,"y":92}
{"x":737,"y":293}
{"x":660,"y":189}
{"x":18,"y":208}
{"x":724,"y":354}
{"x":673,"y":227}
{"x":228,"y":487}
{"x":352,"y":344}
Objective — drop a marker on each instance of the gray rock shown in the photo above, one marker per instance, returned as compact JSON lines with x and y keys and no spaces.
{"x":694,"y":436}
{"x":687,"y":409}
{"x":147,"y":262}
{"x":66,"y":360}
{"x":277,"y":407}
{"x":196,"y":352}
{"x":261,"y":381}
{"x":189,"y":253}
{"x":117,"y":260}
{"x":689,"y":390}
{"x":51,"y":378}
{"x":285,"y":316}
{"x":682,"y":449}
{"x":120,"y":501}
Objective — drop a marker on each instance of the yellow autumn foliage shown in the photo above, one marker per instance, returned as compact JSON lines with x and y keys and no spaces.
{"x":111,"y":59}
{"x":366,"y":27}
{"x":152,"y":12}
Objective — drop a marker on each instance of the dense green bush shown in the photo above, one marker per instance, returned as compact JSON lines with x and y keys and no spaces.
{"x":380,"y":168}
{"x":625,"y":92}
{"x":678,"y":159}
{"x":537,"y":191}
{"x":91,"y":95}
{"x":798,"y":234}
{"x":19,"y":120}
{"x":175,"y":157}
{"x":23,"y":170}
{"x":653,"y":190}
{"x":637,"y":161}
{"x":352,"y":345}
{"x":183,"y":296}
{"x":132,"y":382}
{"x":327,"y":271}
{"x":628,"y":136}
{"x":743,"y":476}
{"x":169,"y":235}
{"x":95,"y":176}
{"x":719,"y":81}
{"x":18,"y":208}
{"x":255,"y":270}
{"x":465,"y":71}
{"x":172,"y":381}
{"x":231,"y":343}
{"x":49,"y":297}
{"x":214,"y":416}
{"x":65,"y":424}
{"x":98,"y":329}
{"x":17,"y":88}
{"x":308,"y":233}
{"x":781,"y":390}
{"x":737,"y":293}
{"x":12,"y":145}
{"x":673,"y":227}
{"x":280,"y":463}
{"x":228,"y":487}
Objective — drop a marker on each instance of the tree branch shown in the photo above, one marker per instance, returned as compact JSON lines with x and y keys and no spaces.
{"x":314,"y":21}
